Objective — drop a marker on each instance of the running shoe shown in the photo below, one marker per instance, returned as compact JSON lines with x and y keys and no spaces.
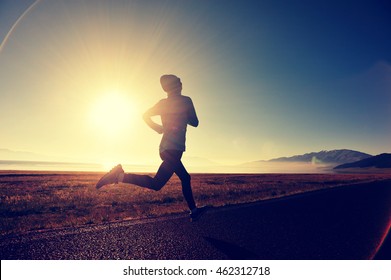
{"x":196,"y":215}
{"x":110,"y":177}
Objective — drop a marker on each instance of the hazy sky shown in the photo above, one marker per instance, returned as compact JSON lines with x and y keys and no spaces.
{"x":268,"y":78}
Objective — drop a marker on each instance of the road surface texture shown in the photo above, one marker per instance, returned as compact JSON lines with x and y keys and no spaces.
{"x":348,"y":222}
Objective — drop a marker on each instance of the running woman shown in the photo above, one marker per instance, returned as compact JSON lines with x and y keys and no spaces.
{"x":176,"y":112}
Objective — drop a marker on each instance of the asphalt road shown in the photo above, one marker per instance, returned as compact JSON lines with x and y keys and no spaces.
{"x":347,"y":222}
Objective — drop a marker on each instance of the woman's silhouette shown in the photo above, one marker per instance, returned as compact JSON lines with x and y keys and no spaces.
{"x":176,"y":111}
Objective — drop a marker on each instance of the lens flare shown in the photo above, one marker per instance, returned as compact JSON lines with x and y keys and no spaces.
{"x":20,"y":18}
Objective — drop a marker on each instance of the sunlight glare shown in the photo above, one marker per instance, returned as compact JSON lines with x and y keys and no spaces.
{"x":112,"y":114}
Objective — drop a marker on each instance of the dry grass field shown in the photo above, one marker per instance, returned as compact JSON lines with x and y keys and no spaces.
{"x":47,"y":200}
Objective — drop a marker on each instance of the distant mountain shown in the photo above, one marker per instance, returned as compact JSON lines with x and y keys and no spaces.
{"x":12,"y":155}
{"x":334,"y":156}
{"x":6,"y":154}
{"x":379,"y":161}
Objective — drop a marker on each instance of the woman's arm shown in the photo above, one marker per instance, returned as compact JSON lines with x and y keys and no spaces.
{"x":147,"y":118}
{"x":192,"y":118}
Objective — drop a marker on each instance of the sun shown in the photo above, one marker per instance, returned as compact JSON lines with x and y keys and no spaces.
{"x":111,"y":113}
